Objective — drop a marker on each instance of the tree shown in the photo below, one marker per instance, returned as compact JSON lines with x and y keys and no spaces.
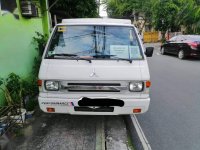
{"x":74,"y":9}
{"x":189,"y":15}
{"x":164,"y":16}
{"x":142,"y":7}
{"x":130,"y":8}
{"x":118,"y":8}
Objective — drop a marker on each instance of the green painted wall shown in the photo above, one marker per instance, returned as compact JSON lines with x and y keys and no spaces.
{"x":17,"y":50}
{"x":45,"y":17}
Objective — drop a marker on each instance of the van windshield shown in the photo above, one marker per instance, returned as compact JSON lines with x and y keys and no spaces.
{"x":94,"y":42}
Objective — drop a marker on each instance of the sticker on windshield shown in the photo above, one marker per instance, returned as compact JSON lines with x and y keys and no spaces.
{"x":62,"y":28}
{"x":134,"y":52}
{"x":119,"y":51}
{"x":51,"y":53}
{"x":130,"y":35}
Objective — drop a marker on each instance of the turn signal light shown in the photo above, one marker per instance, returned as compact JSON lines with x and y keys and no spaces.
{"x":39,"y":82}
{"x":50,"y":109}
{"x":148,"y":84}
{"x":137,"y":110}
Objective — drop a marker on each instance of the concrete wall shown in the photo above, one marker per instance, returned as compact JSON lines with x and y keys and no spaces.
{"x":17,"y":50}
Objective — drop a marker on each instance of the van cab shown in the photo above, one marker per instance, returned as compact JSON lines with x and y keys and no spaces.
{"x":94,"y":66}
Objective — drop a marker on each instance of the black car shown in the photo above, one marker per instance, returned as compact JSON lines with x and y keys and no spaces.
{"x":182,"y":46}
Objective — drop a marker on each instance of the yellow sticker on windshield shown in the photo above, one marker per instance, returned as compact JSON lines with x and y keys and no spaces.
{"x":62,"y":29}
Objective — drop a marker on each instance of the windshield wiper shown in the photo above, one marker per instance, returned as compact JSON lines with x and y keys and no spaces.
{"x":118,"y":58}
{"x":69,"y":55}
{"x":108,"y":56}
{"x":61,"y":54}
{"x":80,"y":58}
{"x":102,"y":56}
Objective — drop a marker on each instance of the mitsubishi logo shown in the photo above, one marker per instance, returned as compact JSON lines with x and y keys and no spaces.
{"x":93,"y":74}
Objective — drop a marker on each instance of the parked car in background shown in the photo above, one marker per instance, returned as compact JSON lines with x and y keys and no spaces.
{"x":183,"y":46}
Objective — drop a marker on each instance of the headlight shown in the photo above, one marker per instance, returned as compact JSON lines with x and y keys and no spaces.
{"x":52,"y":85}
{"x":136,"y":86}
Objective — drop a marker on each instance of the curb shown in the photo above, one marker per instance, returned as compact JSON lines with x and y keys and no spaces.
{"x":137,"y":135}
{"x":100,"y":135}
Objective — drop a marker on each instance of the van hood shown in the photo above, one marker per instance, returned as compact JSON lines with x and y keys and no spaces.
{"x":56,"y":69}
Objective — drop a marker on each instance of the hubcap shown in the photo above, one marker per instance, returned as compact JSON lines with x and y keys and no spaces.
{"x":181,"y":54}
{"x":162,"y":51}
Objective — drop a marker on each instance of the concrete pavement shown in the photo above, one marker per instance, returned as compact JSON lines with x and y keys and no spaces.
{"x":72,"y":132}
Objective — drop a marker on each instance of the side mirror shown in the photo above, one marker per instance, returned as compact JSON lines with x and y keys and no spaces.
{"x":149,"y":51}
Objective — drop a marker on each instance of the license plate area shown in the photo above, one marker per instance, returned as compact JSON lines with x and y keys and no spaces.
{"x":102,"y":102}
{"x":90,"y":109}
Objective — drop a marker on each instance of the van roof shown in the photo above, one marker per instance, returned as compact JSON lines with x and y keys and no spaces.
{"x":100,"y":21}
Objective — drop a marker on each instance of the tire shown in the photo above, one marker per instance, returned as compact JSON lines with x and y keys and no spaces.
{"x":162,"y":51}
{"x":181,"y":54}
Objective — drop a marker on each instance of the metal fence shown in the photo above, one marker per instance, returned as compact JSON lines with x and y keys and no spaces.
{"x":10,"y":117}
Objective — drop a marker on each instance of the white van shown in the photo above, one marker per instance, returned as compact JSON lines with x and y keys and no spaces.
{"x":94,"y":67}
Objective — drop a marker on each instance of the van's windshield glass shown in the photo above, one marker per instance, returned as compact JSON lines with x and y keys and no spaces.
{"x":94,"y":42}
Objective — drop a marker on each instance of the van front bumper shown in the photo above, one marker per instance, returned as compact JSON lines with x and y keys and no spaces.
{"x":67,"y":106}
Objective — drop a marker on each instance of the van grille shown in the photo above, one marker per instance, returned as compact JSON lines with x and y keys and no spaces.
{"x":92,"y":87}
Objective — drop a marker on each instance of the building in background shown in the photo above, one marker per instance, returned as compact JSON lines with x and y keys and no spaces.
{"x":19,"y":20}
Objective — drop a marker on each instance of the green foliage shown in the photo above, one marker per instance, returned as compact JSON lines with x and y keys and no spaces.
{"x":13,"y":84}
{"x":31,"y":104}
{"x":36,"y":66}
{"x":30,"y":84}
{"x":118,"y":9}
{"x":122,"y":8}
{"x":75,"y":8}
{"x":30,"y":92}
{"x":12,"y":89}
{"x":163,"y":14}
{"x":1,"y":81}
{"x":130,"y":8}
{"x":177,"y":13}
{"x":16,"y":90}
{"x":4,"y":89}
{"x":189,"y":15}
{"x":40,"y":41}
{"x":30,"y":87}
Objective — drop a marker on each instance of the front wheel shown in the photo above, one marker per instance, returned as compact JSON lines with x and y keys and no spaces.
{"x":181,"y":54}
{"x":162,"y":51}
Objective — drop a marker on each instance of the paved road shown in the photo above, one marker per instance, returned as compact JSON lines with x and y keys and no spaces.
{"x":72,"y":132}
{"x":173,"y":120}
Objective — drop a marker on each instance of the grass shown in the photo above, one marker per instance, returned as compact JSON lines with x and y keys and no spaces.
{"x":130,"y":144}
